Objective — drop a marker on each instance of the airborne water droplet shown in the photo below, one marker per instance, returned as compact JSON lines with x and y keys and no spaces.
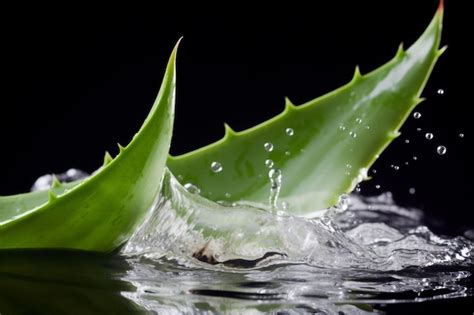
{"x":287,"y":153}
{"x":359,"y":120}
{"x":275,"y":184}
{"x":289,"y":131}
{"x":416,"y":115}
{"x":342,"y":127}
{"x":412,"y":191}
{"x":269,"y":163}
{"x":407,"y":141}
{"x":216,"y":167}
{"x":192,"y":188}
{"x":441,"y":150}
{"x":353,"y":134}
{"x":268,"y":146}
{"x":396,"y":167}
{"x":418,"y":129}
{"x":415,"y":158}
{"x":377,"y":186}
{"x":429,"y":136}
{"x":440,"y":91}
{"x":461,"y":135}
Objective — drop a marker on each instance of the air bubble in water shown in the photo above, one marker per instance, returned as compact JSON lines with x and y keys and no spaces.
{"x":268,"y":146}
{"x":429,"y":136}
{"x":216,"y":167}
{"x":440,"y":91}
{"x":269,"y":163}
{"x":289,"y":131}
{"x":192,"y":188}
{"x":416,"y":115}
{"x":441,"y":150}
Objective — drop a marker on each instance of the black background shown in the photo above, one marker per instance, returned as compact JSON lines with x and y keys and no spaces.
{"x":78,"y":80}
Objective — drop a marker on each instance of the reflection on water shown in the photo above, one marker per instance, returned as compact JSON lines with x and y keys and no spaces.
{"x":358,"y":261}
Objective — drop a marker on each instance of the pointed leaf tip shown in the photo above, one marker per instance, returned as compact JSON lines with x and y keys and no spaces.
{"x":441,"y":6}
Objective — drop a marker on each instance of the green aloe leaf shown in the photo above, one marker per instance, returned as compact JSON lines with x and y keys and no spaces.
{"x":101,"y":212}
{"x":324,"y":147}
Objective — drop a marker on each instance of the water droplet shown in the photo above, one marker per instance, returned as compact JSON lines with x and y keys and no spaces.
{"x":180,"y":177}
{"x":348,"y":166}
{"x":268,"y":146}
{"x":429,"y":136}
{"x":353,"y":134}
{"x":275,"y":185}
{"x":359,"y":120}
{"x":440,"y":91}
{"x":216,"y":167}
{"x":416,"y":115}
{"x":227,"y":195}
{"x":441,"y":150}
{"x":406,"y":163}
{"x":461,"y":135}
{"x":287,"y":153}
{"x":415,"y":158}
{"x":377,"y":186}
{"x":358,"y":188}
{"x":407,"y":141}
{"x":367,"y":127}
{"x":192,"y":188}
{"x":269,"y":163}
{"x":396,"y":167}
{"x":289,"y":131}
{"x":412,"y":191}
{"x":285,"y":205}
{"x":374,"y":171}
{"x":418,"y":129}
{"x":342,"y":127}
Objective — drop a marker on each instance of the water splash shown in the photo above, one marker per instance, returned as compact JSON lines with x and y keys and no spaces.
{"x":374,"y":252}
{"x":44,"y":182}
{"x":373,"y":234}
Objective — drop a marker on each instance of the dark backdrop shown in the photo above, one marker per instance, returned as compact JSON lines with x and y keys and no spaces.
{"x":78,"y":80}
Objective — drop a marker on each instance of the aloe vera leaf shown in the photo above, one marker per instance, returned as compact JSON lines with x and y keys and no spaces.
{"x":337,"y":137}
{"x":100,"y":213}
